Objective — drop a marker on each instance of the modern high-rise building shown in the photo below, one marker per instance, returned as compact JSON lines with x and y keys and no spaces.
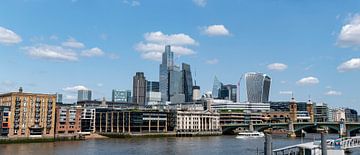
{"x":153,"y":95}
{"x":165,"y":66}
{"x":257,"y":87}
{"x":59,"y":98}
{"x":175,"y":84}
{"x":216,"y":88}
{"x":187,"y":82}
{"x":121,"y":95}
{"x":84,"y":95}
{"x":228,"y":92}
{"x":139,"y":88}
{"x":29,"y":114}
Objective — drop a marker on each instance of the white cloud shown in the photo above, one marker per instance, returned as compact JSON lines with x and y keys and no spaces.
{"x":308,"y":81}
{"x":172,"y":39}
{"x":212,"y":61}
{"x":155,"y":42}
{"x":73,"y":43}
{"x":56,"y":53}
{"x":333,"y":93}
{"x":70,"y":97}
{"x":132,"y":2}
{"x":352,"y":64}
{"x":201,"y":3}
{"x":286,"y":92}
{"x":92,"y":52}
{"x":277,"y":66}
{"x":215,"y":30}
{"x":74,"y":89}
{"x":350,"y":33}
{"x":9,"y":37}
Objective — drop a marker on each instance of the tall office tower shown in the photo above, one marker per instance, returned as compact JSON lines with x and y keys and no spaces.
{"x":84,"y":95}
{"x":257,"y":87}
{"x":228,"y":92}
{"x":216,"y":88}
{"x":175,"y":85}
{"x":139,"y":88}
{"x":59,"y":98}
{"x":121,"y":95}
{"x":153,"y":95}
{"x":187,"y":82}
{"x":167,"y":63}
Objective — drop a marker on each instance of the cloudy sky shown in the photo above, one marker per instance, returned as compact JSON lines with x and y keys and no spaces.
{"x":309,"y":48}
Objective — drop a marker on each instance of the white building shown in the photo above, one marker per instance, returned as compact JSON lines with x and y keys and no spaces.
{"x":197,"y":121}
{"x":246,"y":107}
{"x":338,"y":115}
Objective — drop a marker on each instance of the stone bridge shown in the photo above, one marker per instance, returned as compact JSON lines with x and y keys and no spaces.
{"x":343,"y":128}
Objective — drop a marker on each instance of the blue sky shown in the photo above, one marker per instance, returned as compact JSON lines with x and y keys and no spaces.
{"x":306,"y":47}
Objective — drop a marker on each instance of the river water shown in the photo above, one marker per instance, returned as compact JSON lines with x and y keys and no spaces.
{"x":224,"y":145}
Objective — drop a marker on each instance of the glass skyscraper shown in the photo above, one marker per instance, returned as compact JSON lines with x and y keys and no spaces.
{"x":84,"y":95}
{"x":257,"y":87}
{"x":216,"y":88}
{"x":187,"y":82}
{"x":153,"y":95}
{"x":167,"y":63}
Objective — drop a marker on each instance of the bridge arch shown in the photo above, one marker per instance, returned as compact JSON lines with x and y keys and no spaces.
{"x":331,"y":126}
{"x":262,"y":128}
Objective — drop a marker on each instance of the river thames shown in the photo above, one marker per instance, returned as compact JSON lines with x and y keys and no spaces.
{"x":224,"y":145}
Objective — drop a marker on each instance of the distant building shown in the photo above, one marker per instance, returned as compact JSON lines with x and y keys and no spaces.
{"x":31,"y":115}
{"x":121,"y":95}
{"x":68,"y":120}
{"x":216,"y":88}
{"x":153,"y":95}
{"x":246,"y":107}
{"x":351,"y":115}
{"x":196,"y":93}
{"x":228,"y":92}
{"x":187,"y":82}
{"x":257,"y":87}
{"x":338,"y":114}
{"x":59,"y":98}
{"x":284,"y":105}
{"x":84,"y":95}
{"x":139,"y":88}
{"x":321,"y":112}
{"x":165,"y":66}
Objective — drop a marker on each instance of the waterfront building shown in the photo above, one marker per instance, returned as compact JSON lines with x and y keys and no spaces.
{"x":276,"y":117}
{"x":257,"y":87}
{"x":228,"y":117}
{"x":153,"y":95}
{"x":218,"y":104}
{"x":88,"y":119}
{"x":97,"y":103}
{"x":31,"y":115}
{"x":116,"y":121}
{"x":216,"y":88}
{"x":351,"y":115}
{"x":197,"y":121}
{"x":84,"y":95}
{"x":139,"y":88}
{"x":4,"y":120}
{"x":192,"y":106}
{"x":321,"y":112}
{"x":59,"y":98}
{"x":187,"y":82}
{"x":68,"y":120}
{"x":121,"y":95}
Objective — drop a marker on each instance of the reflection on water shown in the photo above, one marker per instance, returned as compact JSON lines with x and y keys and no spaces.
{"x":169,"y":145}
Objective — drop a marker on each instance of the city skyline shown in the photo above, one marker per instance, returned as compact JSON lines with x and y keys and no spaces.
{"x":304,"y":49}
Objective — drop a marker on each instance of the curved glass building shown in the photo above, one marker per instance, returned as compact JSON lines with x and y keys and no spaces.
{"x":257,"y":87}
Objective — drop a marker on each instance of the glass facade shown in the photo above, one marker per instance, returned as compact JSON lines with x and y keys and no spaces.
{"x":167,"y":63}
{"x":84,"y":95}
{"x":257,"y":87}
{"x":216,"y":88}
{"x":187,"y":82}
{"x":121,"y":95}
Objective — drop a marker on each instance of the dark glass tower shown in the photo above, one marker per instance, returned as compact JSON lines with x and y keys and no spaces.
{"x":139,"y":88}
{"x":165,"y":66}
{"x":187,"y":82}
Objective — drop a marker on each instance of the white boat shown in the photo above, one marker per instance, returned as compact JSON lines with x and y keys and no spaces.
{"x":250,"y":134}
